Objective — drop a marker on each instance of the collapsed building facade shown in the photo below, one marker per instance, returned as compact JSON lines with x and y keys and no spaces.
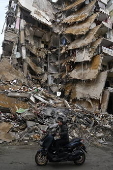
{"x":65,"y":46}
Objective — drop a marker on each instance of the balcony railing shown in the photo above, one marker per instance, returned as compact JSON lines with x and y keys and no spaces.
{"x":107,"y":51}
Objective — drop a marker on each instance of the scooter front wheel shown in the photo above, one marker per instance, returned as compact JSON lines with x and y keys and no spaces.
{"x":40,"y":158}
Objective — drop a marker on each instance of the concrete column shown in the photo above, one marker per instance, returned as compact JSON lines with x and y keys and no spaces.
{"x":23,"y":47}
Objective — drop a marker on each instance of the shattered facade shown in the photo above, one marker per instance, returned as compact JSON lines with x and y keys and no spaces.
{"x":67,"y":49}
{"x":57,"y":61}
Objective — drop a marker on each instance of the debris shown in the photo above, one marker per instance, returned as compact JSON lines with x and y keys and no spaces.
{"x":20,"y":110}
{"x":30,"y":124}
{"x":57,"y":62}
{"x":9,"y":73}
{"x":4,"y":132}
{"x":25,"y":95}
{"x":12,"y":103}
{"x":27,"y":115}
{"x":4,"y":109}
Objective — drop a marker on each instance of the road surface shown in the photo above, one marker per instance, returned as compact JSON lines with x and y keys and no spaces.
{"x":22,"y":158}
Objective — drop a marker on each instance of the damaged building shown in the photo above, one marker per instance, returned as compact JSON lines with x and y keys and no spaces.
{"x":64,"y":46}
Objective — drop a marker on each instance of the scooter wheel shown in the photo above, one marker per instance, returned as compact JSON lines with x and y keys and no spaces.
{"x":41,"y":159}
{"x":81,"y":159}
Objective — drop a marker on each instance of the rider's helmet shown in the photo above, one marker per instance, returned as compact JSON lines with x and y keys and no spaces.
{"x":62,"y":116}
{"x":60,"y":119}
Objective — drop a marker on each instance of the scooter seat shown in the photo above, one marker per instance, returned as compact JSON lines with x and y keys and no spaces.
{"x":76,"y":140}
{"x":72,"y":142}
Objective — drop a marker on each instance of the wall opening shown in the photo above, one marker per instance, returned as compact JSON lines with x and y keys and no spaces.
{"x":110,"y":104}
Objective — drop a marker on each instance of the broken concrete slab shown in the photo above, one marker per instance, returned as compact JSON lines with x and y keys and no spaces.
{"x":78,"y":43}
{"x":30,"y":123}
{"x":38,"y":11}
{"x":27,"y":115}
{"x":35,"y":68}
{"x":5,"y":127}
{"x":88,"y":71}
{"x":81,"y":28}
{"x":32,"y":98}
{"x":14,"y":94}
{"x":93,"y":90}
{"x":73,"y":5}
{"x":4,"y":132}
{"x":12,"y":103}
{"x":8,"y":72}
{"x":41,"y":99}
{"x":81,"y":14}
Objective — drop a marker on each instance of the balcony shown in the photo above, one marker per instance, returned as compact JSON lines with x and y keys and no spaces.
{"x":107,"y":51}
{"x":10,"y":35}
{"x":110,"y":6}
{"x":104,"y":1}
{"x":103,"y":15}
{"x":105,"y":27}
{"x":106,"y":47}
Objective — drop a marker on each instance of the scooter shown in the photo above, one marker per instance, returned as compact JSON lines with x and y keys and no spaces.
{"x":73,"y":151}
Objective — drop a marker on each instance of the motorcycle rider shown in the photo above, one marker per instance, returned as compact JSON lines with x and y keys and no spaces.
{"x":51,"y":148}
{"x":63,"y":134}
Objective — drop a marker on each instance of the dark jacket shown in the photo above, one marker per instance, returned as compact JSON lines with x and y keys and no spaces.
{"x":63,"y":132}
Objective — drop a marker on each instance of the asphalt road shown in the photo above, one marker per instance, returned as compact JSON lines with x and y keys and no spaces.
{"x":22,"y":158}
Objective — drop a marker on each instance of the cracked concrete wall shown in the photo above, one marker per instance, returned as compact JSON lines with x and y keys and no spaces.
{"x":38,"y":9}
{"x":87,"y":71}
{"x":92,"y":89}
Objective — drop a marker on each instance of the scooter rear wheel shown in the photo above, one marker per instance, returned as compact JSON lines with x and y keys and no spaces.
{"x":81,"y":159}
{"x":41,"y":159}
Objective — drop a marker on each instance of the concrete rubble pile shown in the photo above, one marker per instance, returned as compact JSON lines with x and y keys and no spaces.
{"x":57,"y":60}
{"x":27,"y":125}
